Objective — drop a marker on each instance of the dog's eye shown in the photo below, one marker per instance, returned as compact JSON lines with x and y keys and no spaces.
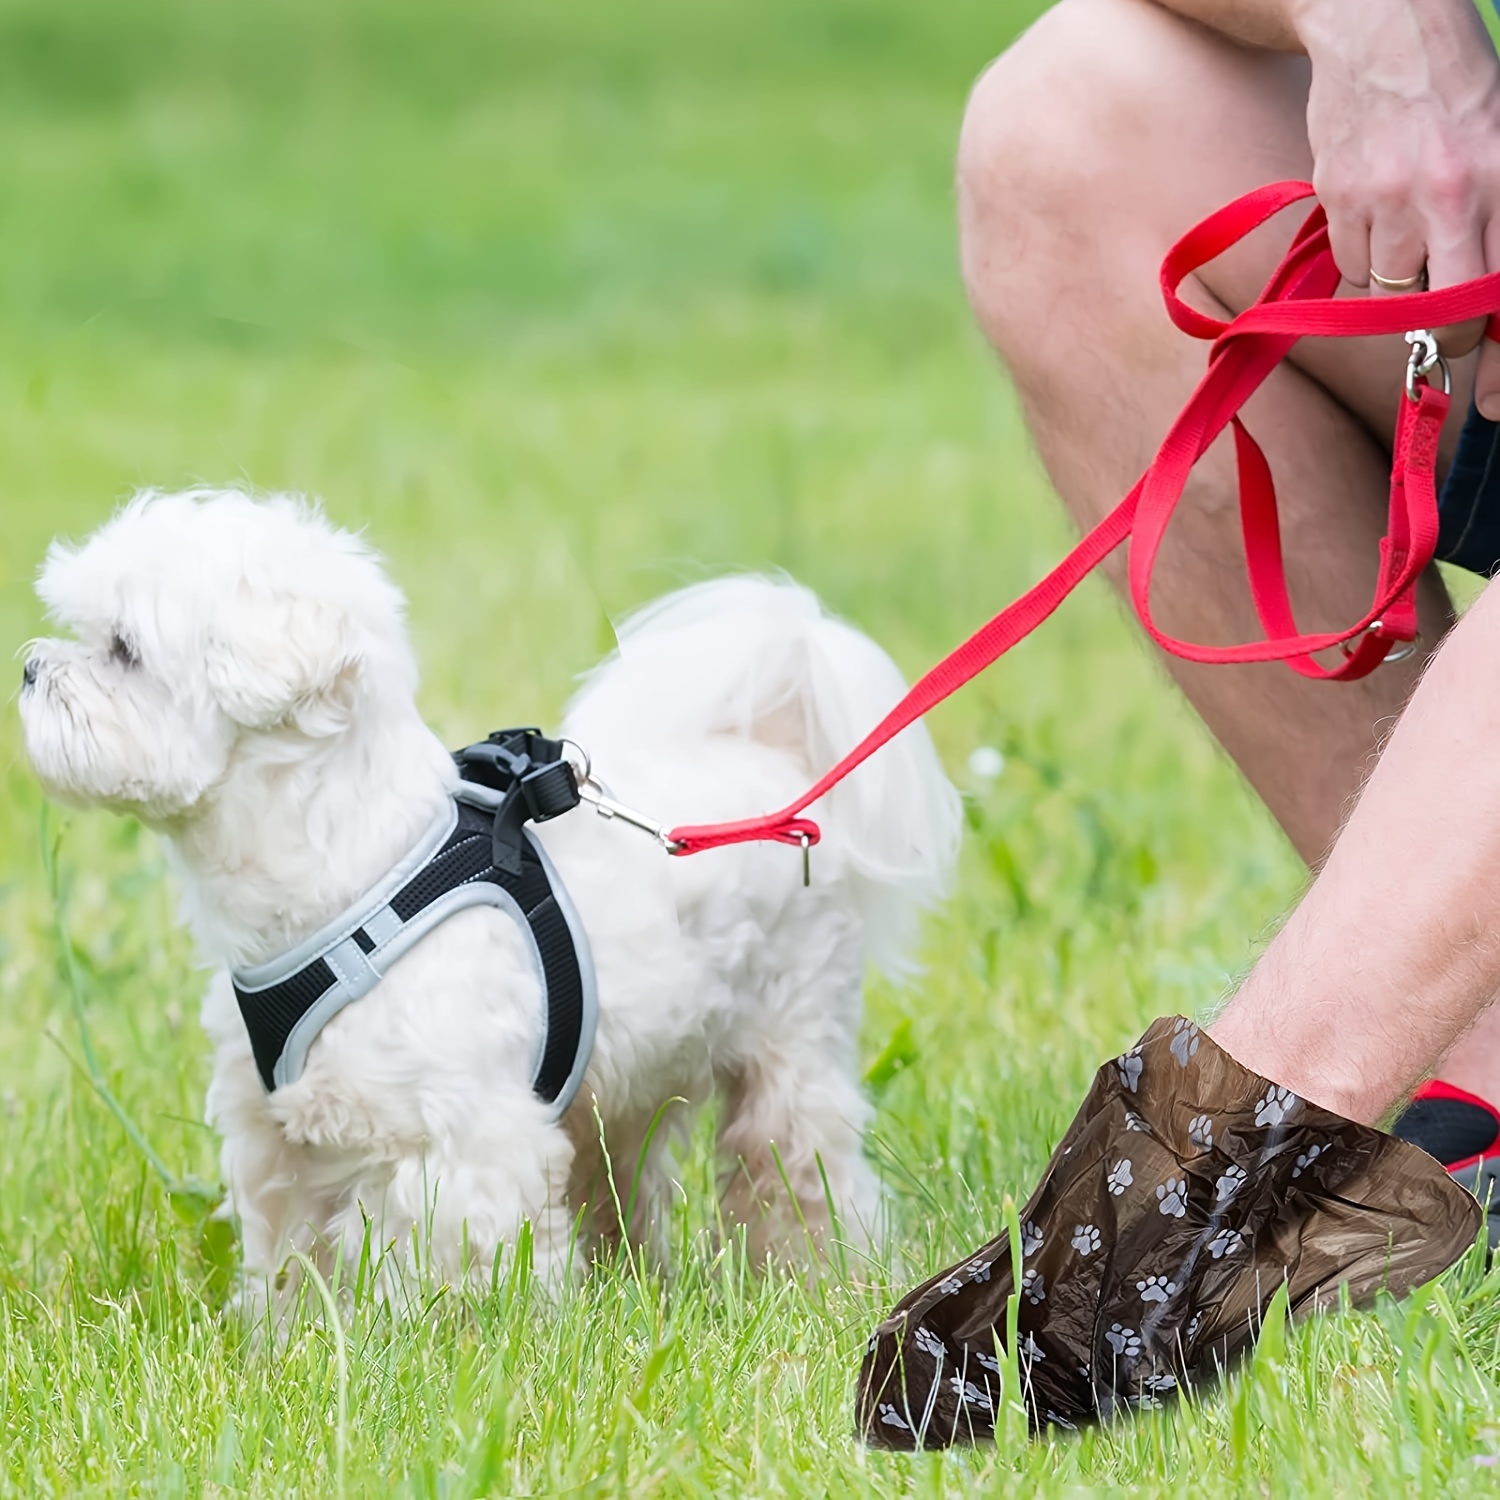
{"x":121,"y":650}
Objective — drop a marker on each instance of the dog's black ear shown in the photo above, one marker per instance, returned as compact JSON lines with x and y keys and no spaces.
{"x":276,"y":658}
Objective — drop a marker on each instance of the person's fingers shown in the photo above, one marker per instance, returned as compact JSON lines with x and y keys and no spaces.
{"x":1455,"y":258}
{"x":1398,"y":252}
{"x":1487,"y":372}
{"x":1349,"y":239}
{"x":1487,"y":381}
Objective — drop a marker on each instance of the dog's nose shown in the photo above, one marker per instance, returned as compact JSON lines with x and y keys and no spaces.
{"x":28,"y":672}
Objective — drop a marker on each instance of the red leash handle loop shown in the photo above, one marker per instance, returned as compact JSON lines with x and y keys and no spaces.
{"x":1221,"y":231}
{"x":1297,"y":302}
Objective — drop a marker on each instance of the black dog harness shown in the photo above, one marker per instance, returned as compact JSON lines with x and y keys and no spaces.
{"x":478,"y":852}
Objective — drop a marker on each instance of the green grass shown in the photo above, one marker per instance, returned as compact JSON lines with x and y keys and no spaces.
{"x":566,"y":305}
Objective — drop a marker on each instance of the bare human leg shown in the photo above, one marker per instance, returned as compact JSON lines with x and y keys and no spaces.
{"x":1093,"y":143}
{"x":1396,"y":947}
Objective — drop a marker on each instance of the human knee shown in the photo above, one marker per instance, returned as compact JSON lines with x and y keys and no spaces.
{"x":1049,"y":139}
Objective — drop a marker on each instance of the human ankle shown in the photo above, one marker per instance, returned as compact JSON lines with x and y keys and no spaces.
{"x":1315,"y":1072}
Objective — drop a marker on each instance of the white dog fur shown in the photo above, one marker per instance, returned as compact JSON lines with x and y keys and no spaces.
{"x":240,"y":679}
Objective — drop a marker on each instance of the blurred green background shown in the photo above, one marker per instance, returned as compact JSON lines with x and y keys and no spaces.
{"x":564,"y":305}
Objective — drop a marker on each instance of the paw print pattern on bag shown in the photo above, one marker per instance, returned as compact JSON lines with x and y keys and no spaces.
{"x":1305,"y":1159}
{"x":1229,"y":1184}
{"x":1155,"y":1288}
{"x":1185,"y":1040}
{"x":1173,"y":1196}
{"x":1085,"y":1239}
{"x":1156,"y":1243}
{"x":1225,"y":1242}
{"x":970,"y":1393}
{"x":893,"y":1418}
{"x":1276,"y":1106}
{"x":929,"y":1343}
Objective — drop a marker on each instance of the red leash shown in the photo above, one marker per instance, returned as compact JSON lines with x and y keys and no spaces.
{"x":1297,"y":302}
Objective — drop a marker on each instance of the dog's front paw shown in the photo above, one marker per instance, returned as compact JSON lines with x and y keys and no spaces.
{"x":316,"y":1111}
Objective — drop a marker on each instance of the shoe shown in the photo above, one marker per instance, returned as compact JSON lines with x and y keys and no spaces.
{"x":1463,"y":1132}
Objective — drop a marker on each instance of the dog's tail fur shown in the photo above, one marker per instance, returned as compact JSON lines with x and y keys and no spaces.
{"x":759,"y":659}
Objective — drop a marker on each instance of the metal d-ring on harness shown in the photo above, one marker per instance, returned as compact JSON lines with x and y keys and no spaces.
{"x":479,"y":851}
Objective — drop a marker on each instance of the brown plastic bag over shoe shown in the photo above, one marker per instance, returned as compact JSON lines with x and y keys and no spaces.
{"x":1182,"y":1196}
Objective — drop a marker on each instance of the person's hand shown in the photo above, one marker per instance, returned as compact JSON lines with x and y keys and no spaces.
{"x":1404,"y":123}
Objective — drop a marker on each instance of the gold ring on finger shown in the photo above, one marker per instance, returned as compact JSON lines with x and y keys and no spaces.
{"x":1400,"y":283}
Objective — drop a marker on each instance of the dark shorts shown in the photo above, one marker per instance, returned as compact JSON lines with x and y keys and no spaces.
{"x":1469,"y":504}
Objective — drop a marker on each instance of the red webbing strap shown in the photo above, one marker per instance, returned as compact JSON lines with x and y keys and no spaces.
{"x":991,"y":641}
{"x":1297,"y":303}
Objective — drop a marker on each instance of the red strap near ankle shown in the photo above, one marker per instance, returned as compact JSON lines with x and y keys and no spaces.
{"x":1435,"y":1088}
{"x":1297,"y":302}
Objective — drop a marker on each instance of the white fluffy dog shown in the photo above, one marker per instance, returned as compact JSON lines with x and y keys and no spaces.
{"x":240,"y":679}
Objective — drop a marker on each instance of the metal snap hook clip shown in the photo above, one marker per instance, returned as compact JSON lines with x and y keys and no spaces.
{"x":1376,"y":628}
{"x":1424,"y":359}
{"x":597,"y":796}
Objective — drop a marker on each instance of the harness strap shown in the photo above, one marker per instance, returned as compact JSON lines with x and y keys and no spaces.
{"x":477,"y":853}
{"x":1297,"y":302}
{"x":535,"y":778}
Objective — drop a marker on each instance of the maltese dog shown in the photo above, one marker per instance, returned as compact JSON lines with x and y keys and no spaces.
{"x":239,"y":678}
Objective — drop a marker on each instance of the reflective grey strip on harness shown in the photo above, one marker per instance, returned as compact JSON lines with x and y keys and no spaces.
{"x":468,"y":857}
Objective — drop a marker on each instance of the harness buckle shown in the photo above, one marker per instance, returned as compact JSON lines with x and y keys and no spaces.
{"x":1425,"y":357}
{"x":500,"y":761}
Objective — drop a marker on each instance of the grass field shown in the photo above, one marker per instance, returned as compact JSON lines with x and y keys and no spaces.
{"x":567,"y":305}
